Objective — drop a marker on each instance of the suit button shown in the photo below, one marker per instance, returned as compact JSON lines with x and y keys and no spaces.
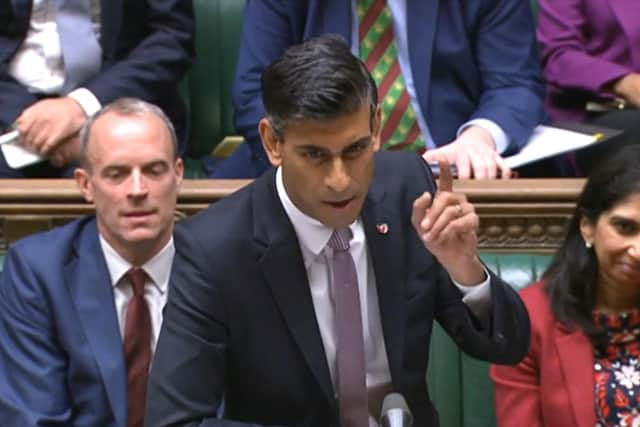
{"x":499,"y":338}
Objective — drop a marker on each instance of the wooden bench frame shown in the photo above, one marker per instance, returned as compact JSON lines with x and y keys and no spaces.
{"x":523,"y":215}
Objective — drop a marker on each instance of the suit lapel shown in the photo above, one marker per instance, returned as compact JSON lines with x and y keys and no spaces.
{"x":422,"y":17}
{"x":90,"y":287}
{"x":576,"y":359}
{"x":383,"y":228}
{"x":285,"y":273}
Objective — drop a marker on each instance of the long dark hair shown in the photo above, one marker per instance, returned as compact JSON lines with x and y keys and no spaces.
{"x":572,"y":277}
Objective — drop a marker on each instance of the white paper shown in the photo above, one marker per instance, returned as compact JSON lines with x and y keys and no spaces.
{"x":547,"y":141}
{"x":15,"y":155}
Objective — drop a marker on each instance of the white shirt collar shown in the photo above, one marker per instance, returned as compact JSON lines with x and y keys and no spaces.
{"x":312,"y":234}
{"x":157,"y":268}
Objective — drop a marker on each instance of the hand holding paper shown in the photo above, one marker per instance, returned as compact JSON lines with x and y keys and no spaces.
{"x":49,"y":122}
{"x":14,"y":153}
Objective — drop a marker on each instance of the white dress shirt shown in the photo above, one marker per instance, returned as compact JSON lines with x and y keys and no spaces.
{"x":398,"y":9}
{"x":313,"y":237}
{"x":156,"y":288}
{"x":38,"y":64}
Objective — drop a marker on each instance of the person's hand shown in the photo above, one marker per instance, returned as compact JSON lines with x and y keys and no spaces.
{"x":474,"y":154}
{"x":447,"y":224}
{"x":66,"y":152}
{"x":628,"y":87}
{"x":48,"y":123}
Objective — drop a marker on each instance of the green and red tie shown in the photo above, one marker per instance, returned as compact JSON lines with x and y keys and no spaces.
{"x":378,"y":50}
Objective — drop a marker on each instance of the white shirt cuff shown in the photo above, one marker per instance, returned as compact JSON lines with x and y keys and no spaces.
{"x":478,"y":297}
{"x":87,"y":100}
{"x":500,"y":139}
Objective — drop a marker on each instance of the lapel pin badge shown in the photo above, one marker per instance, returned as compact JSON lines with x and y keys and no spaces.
{"x":382,"y":228}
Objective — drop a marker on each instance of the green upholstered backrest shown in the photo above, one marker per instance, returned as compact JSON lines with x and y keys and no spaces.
{"x":459,"y":385}
{"x":207,"y":86}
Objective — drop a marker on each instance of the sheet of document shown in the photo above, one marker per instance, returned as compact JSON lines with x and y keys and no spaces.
{"x":547,"y":141}
{"x":15,"y":155}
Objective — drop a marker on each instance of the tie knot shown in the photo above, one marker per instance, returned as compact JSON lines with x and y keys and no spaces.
{"x":137,"y":277}
{"x":339,"y":240}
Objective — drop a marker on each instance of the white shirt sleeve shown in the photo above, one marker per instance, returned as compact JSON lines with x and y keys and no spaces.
{"x":500,"y":139}
{"x":87,"y":100}
{"x":478,"y":297}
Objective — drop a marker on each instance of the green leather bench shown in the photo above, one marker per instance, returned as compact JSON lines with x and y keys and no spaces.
{"x":207,"y":86}
{"x":459,"y":384}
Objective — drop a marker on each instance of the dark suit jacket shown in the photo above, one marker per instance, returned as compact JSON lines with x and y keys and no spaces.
{"x":61,"y":357}
{"x":470,"y":59}
{"x":554,"y":385}
{"x":147,"y":46}
{"x":240,"y":320}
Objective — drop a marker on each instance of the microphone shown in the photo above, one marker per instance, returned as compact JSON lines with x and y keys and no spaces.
{"x":395,"y":412}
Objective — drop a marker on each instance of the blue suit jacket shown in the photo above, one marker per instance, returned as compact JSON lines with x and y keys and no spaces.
{"x":61,"y":357}
{"x":147,"y":46}
{"x":240,"y":320}
{"x":471,"y":59}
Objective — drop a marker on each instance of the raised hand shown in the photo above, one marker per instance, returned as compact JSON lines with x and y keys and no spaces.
{"x":448,"y":224}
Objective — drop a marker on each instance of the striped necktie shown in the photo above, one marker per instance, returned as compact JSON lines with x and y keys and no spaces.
{"x":379,"y":51}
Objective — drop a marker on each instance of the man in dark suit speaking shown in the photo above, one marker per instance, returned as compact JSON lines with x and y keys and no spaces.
{"x":306,"y":297}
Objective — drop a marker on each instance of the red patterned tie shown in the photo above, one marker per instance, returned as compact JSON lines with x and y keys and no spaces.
{"x":379,"y":51}
{"x":137,"y":348}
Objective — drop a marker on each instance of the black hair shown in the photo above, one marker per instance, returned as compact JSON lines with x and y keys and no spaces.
{"x":319,"y":79}
{"x":572,"y":277}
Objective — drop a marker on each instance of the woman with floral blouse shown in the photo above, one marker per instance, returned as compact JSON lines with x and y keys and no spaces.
{"x":583,"y":365}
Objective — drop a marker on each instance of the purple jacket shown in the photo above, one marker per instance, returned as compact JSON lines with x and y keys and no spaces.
{"x":586,"y":45}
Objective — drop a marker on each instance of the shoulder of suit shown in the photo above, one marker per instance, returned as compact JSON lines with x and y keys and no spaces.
{"x":55,"y":236}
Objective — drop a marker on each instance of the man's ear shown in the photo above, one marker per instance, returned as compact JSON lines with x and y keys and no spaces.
{"x":270,"y":142}
{"x":84,"y":183}
{"x":376,"y":129}
{"x":179,"y":170}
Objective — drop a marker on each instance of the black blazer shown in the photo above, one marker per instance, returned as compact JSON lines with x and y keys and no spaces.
{"x":240,"y":321}
{"x":147,"y":46}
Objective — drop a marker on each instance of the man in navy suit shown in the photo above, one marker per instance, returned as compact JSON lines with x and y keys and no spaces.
{"x":256,"y":300}
{"x":143,"y":49}
{"x":471,"y":68}
{"x":66,"y":295}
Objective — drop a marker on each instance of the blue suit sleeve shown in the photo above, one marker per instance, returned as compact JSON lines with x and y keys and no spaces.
{"x":157,"y":60}
{"x":270,"y":27}
{"x":32,"y":364}
{"x":15,"y":98}
{"x":509,"y":66}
